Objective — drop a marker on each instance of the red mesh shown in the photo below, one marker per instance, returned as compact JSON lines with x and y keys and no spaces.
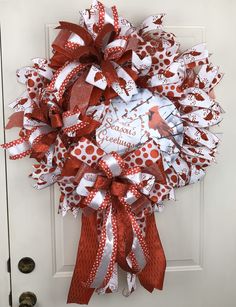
{"x":87,"y":250}
{"x":152,"y":276}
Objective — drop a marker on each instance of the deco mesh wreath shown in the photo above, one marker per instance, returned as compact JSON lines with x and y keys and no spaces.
{"x":119,"y":118}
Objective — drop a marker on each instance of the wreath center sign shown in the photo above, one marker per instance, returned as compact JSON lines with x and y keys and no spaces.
{"x":119,"y":118}
{"x":146,"y":116}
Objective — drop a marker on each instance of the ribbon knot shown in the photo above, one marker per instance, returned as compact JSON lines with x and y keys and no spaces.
{"x":116,"y":187}
{"x":119,"y":189}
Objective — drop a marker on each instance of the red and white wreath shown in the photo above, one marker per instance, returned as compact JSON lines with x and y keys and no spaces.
{"x":119,"y":118}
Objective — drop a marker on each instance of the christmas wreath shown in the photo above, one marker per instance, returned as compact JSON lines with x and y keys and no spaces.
{"x":119,"y":118}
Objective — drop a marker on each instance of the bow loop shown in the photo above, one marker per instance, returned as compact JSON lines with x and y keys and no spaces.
{"x":78,"y":30}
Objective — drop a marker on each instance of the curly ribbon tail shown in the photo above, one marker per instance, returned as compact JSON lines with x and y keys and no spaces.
{"x":152,"y":276}
{"x":85,"y":258}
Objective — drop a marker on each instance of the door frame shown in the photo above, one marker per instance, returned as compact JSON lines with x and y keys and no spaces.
{"x":5,"y":280}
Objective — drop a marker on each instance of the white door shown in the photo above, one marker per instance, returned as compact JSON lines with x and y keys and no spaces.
{"x":198,"y":231}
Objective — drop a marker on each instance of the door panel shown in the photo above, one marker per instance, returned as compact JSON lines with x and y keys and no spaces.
{"x":198,"y":230}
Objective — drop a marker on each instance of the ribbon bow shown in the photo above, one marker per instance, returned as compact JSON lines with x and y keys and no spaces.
{"x":120,"y":197}
{"x":129,"y":185}
{"x":99,"y":46}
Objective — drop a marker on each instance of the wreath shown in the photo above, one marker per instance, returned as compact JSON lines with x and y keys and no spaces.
{"x":119,"y":118}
